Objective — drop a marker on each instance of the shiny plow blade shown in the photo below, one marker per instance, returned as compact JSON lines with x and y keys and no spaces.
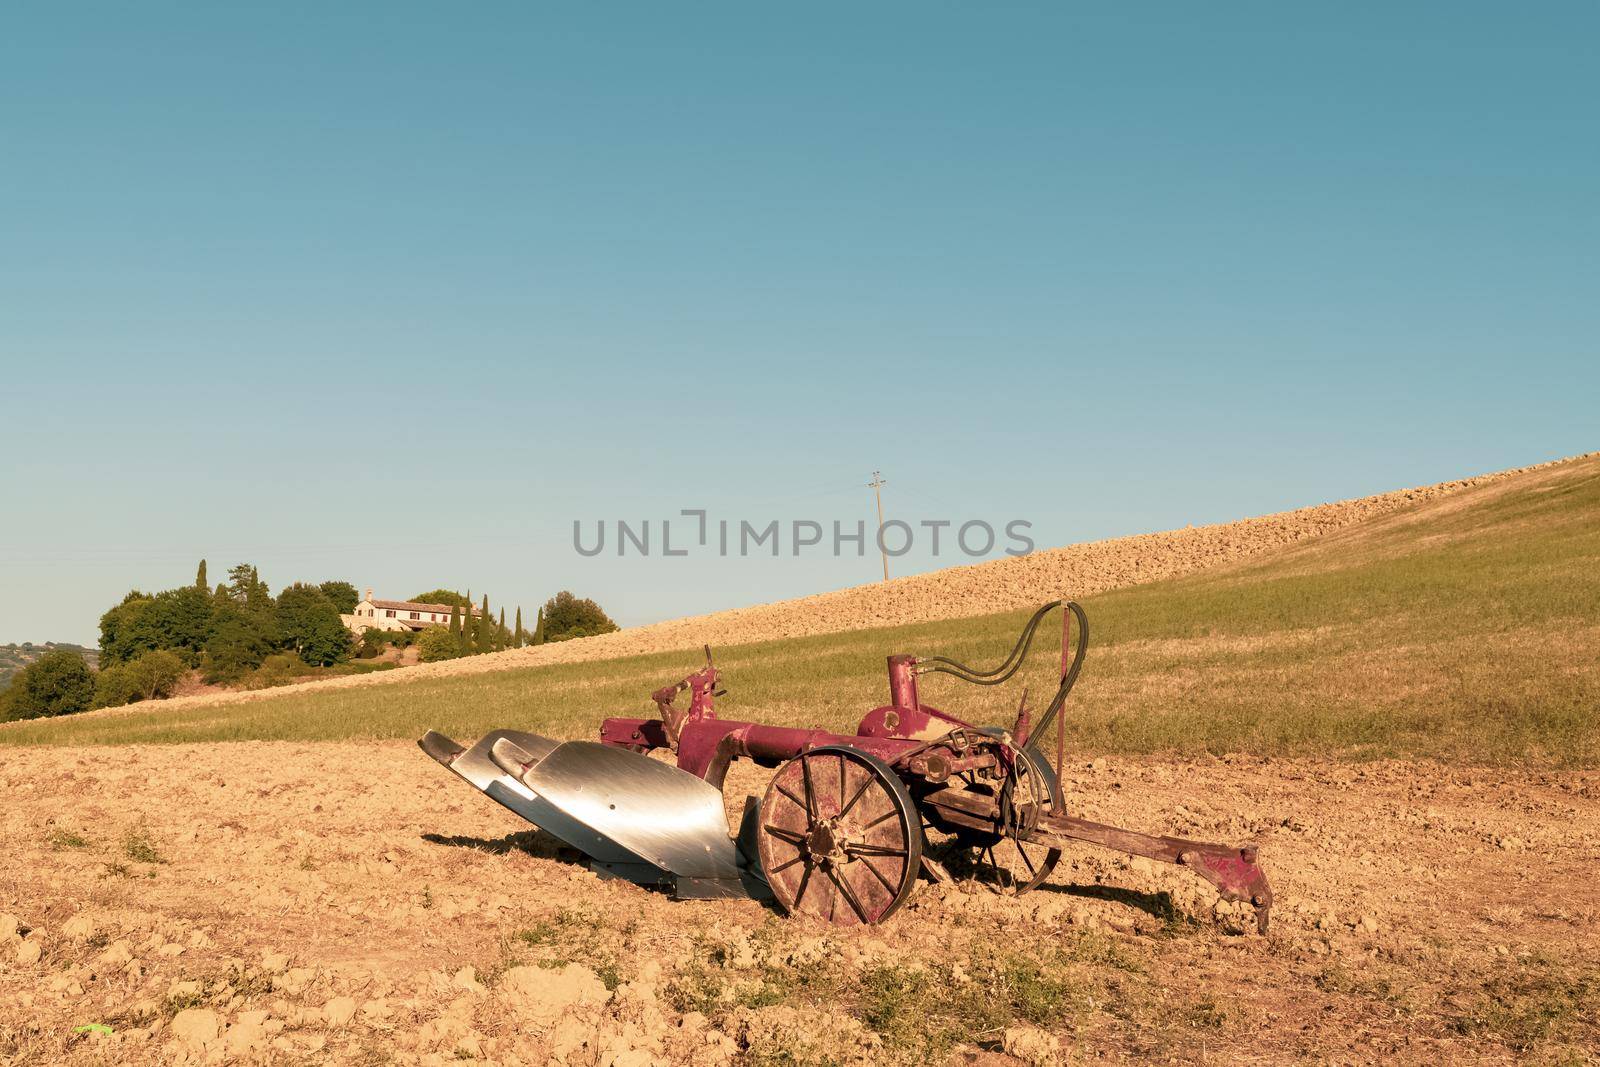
{"x":635,"y":818}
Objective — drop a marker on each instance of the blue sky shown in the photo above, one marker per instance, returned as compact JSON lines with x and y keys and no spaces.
{"x":394,"y":293}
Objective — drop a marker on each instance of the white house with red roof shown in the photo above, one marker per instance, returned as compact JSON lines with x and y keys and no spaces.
{"x":373,"y":614}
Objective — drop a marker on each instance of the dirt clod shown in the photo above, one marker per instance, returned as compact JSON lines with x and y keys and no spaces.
{"x":1032,"y":1046}
{"x":339,"y":1011}
{"x":543,"y":994}
{"x":195,"y":1028}
{"x":78,"y":928}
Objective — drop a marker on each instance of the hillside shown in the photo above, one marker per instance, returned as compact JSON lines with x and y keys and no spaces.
{"x":1002,"y":585}
{"x":1459,"y":624}
{"x":14,"y":657}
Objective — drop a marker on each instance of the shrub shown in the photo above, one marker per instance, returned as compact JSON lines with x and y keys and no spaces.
{"x":437,"y":643}
{"x":566,"y":617}
{"x":276,"y":670}
{"x":155,"y":675}
{"x":57,"y":683}
{"x":152,"y":676}
{"x":370,"y":644}
{"x":373,"y":641}
{"x":113,"y":687}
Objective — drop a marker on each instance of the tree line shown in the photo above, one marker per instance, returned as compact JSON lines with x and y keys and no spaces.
{"x":475,"y":631}
{"x":231,"y":629}
{"x":239,"y":633}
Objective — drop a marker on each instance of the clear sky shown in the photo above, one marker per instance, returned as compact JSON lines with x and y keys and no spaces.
{"x":395,"y":292}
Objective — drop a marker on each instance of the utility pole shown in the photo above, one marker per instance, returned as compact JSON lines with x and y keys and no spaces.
{"x":876,"y":485}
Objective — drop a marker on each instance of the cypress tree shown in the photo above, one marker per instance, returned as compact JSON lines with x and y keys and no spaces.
{"x":485,"y":627}
{"x":538,"y":629}
{"x":200,"y":582}
{"x":518,"y":638}
{"x":464,"y":640}
{"x":455,"y":623}
{"x":502,"y":636}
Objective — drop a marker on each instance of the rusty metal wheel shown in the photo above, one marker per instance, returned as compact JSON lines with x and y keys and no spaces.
{"x":1003,"y":862}
{"x":840,"y":839}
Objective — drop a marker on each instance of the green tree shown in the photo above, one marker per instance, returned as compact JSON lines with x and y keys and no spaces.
{"x":246,"y":588}
{"x":200,"y":578}
{"x":177,"y":619}
{"x":435,"y":644}
{"x":485,"y":632}
{"x":442,"y":596}
{"x":565,"y":617}
{"x":518,"y":638}
{"x":242,"y":581}
{"x":119,"y":629}
{"x":309,"y":624}
{"x":57,"y":683}
{"x":538,"y":630}
{"x":240,"y":641}
{"x":343,"y":594}
{"x":502,"y":636}
{"x":455,"y":624}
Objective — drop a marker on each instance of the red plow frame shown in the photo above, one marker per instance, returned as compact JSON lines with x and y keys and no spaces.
{"x":840,"y":833}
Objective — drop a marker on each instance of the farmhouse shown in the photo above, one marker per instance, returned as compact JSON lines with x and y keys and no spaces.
{"x":373,"y":614}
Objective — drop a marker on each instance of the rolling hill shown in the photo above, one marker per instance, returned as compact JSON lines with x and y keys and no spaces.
{"x":1461,"y":622}
{"x":14,"y":657}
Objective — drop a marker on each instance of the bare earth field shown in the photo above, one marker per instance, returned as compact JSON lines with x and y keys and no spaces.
{"x":354,"y":903}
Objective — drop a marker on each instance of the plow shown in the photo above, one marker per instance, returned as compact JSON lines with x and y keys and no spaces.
{"x":848,"y":823}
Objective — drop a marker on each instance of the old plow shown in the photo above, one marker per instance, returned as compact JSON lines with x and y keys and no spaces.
{"x":845,"y":827}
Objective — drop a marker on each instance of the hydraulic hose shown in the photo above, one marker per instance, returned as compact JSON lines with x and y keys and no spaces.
{"x":1007,"y":668}
{"x":1013,"y":662}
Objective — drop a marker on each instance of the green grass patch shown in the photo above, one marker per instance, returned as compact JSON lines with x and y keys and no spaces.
{"x":138,"y":847}
{"x":1533,"y":1004}
{"x":569,"y":936}
{"x":61,"y":839}
{"x":1465,"y":629}
{"x":920,"y":1011}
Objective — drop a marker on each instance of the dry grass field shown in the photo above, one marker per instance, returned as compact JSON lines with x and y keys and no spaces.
{"x":1401,"y":710}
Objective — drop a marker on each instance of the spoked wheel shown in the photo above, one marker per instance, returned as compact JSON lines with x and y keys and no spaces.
{"x":841,"y":839}
{"x":1000,"y":861}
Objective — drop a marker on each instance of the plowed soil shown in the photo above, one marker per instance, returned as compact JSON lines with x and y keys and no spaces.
{"x":343,"y":903}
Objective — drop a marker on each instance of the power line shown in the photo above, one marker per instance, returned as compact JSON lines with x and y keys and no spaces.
{"x":876,"y":485}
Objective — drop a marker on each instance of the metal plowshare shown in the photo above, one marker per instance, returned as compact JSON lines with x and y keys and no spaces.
{"x":841,"y":833}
